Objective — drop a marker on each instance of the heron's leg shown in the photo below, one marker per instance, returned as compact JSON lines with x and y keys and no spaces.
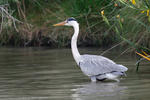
{"x":93,"y":78}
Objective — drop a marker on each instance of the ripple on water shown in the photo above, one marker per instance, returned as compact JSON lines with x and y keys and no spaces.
{"x":51,"y":74}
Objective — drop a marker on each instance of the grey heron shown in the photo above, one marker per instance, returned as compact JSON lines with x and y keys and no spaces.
{"x":94,"y":66}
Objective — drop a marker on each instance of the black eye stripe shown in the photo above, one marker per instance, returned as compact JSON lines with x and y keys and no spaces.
{"x":71,"y":19}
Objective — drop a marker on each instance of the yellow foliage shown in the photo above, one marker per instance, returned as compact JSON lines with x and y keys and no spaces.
{"x":102,"y":12}
{"x":118,"y":16}
{"x":133,"y":2}
{"x":143,"y":56}
{"x":142,"y":11}
{"x":148,"y":12}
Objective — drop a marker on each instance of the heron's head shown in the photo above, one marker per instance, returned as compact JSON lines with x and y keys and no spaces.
{"x":69,"y":22}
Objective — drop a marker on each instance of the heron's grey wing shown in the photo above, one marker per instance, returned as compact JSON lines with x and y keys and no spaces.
{"x":96,"y":65}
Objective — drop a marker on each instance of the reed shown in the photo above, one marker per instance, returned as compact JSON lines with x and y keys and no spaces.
{"x":131,"y":22}
{"x":29,"y":22}
{"x":36,"y":17}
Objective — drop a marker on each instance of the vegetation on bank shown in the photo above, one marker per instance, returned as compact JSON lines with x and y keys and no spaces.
{"x":37,"y":17}
{"x":131,"y":22}
{"x":102,"y":22}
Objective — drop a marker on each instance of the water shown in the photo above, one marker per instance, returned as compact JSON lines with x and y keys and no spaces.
{"x":51,"y":74}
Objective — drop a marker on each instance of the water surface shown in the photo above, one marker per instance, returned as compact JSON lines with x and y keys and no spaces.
{"x":51,"y":74}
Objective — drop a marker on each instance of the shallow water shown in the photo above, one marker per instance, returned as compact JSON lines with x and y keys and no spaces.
{"x":51,"y":74}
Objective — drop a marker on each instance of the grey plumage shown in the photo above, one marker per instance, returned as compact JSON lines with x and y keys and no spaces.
{"x":99,"y":66}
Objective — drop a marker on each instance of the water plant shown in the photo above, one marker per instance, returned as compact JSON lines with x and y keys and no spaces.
{"x":144,"y":56}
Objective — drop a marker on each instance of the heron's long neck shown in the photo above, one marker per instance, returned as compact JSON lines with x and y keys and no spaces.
{"x":74,"y":48}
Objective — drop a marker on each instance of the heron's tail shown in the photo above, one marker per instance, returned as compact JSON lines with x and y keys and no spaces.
{"x":123,"y":68}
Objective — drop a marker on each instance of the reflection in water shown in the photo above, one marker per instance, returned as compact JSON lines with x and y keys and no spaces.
{"x":93,"y":91}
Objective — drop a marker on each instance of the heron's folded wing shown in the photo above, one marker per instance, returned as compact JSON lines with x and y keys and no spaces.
{"x":95,"y":65}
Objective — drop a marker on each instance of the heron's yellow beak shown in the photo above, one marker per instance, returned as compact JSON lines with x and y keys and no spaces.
{"x":60,"y":24}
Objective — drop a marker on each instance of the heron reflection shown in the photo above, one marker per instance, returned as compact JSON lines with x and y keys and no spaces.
{"x":104,"y":91}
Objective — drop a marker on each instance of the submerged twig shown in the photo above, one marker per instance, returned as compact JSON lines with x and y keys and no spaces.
{"x":122,"y":53}
{"x":111,"y":48}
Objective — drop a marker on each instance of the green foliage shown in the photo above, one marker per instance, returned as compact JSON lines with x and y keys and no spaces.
{"x":131,"y":22}
{"x":87,"y":13}
{"x":83,"y":7}
{"x":41,"y":14}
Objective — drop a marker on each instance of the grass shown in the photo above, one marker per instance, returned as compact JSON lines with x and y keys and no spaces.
{"x":38,"y":19}
{"x":130,"y":22}
{"x":122,"y":20}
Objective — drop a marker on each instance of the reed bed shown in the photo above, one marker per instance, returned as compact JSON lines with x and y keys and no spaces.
{"x":102,"y":23}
